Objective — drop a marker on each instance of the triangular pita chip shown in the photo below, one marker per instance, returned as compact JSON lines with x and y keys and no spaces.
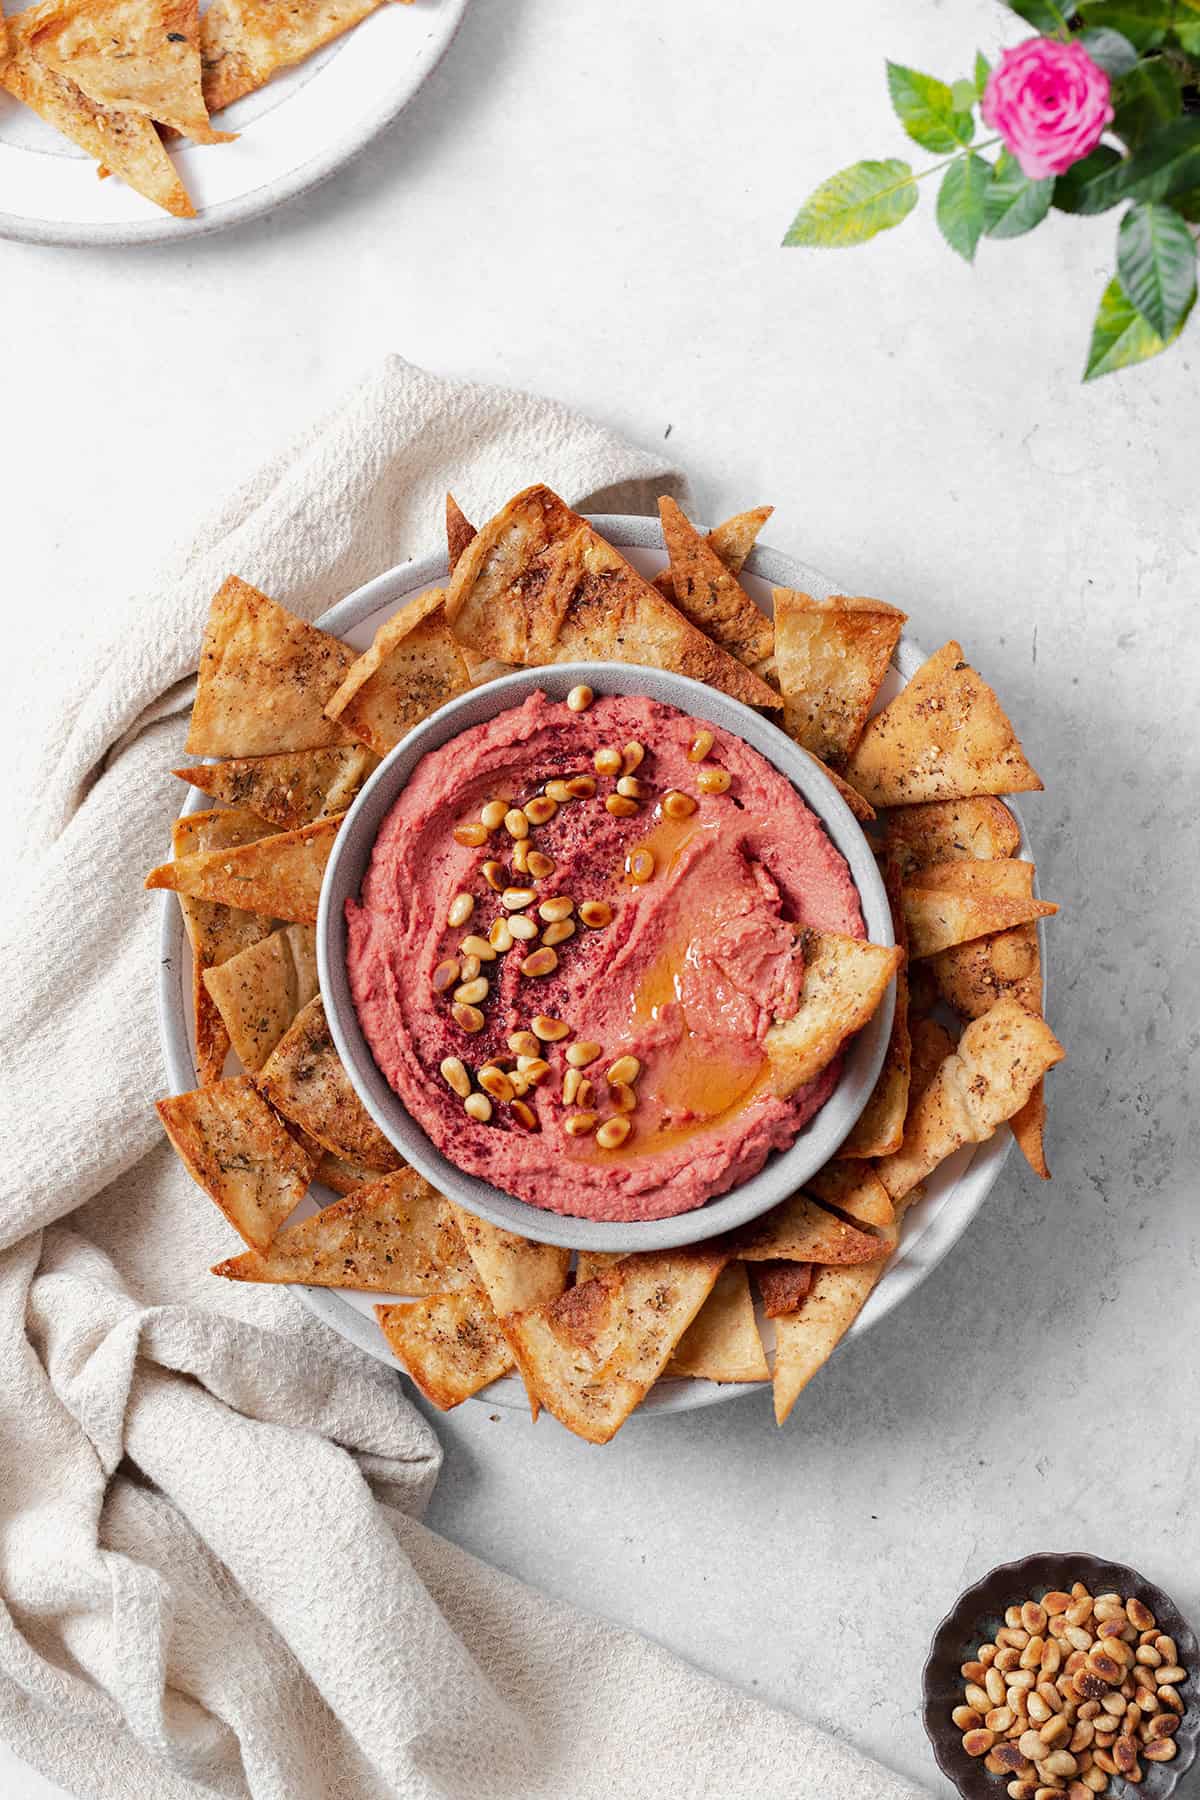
{"x":230,"y":1142}
{"x":830,"y":659}
{"x":124,"y":142}
{"x":783,"y":1286}
{"x":396,"y":1237}
{"x":801,"y":1230}
{"x":516,"y":1274}
{"x":140,"y":56}
{"x":215,"y":932}
{"x":844,"y":981}
{"x":1028,"y":1127}
{"x":807,"y":1338}
{"x":459,"y":532}
{"x":944,"y":737}
{"x":279,"y":875}
{"x":225,"y":71}
{"x":971,"y":977}
{"x":341,"y":1174}
{"x":304,"y":1079}
{"x":853,"y":1189}
{"x":931,"y":1045}
{"x":989,"y":1077}
{"x":953,"y":902}
{"x":733,"y":540}
{"x":708,"y":594}
{"x":260,"y":37}
{"x":880,"y":1126}
{"x":289,"y":790}
{"x":863,"y":811}
{"x":538,"y":585}
{"x":450,"y":1344}
{"x":265,"y":676}
{"x":259,"y":991}
{"x":947,"y":830}
{"x":590,"y":1262}
{"x":594,"y":1353}
{"x":414,"y":666}
{"x":722,"y":1341}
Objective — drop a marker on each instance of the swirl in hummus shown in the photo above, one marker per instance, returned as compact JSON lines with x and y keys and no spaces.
{"x":682,"y":950}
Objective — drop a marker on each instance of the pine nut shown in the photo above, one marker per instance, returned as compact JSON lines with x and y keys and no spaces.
{"x":493,"y":874}
{"x":460,"y":909}
{"x":702,"y":743}
{"x":580,"y":1124}
{"x":445,"y":975}
{"x":1031,"y":1655}
{"x":570,"y":1086}
{"x":624,"y":1101}
{"x":1039,"y":1712}
{"x":607,"y":761}
{"x":1170,"y":1675}
{"x":539,"y":866}
{"x":558,"y":791}
{"x":1055,"y":1730}
{"x":540,"y":810}
{"x":1139,"y":1614}
{"x":558,"y":907}
{"x":467,"y":1018}
{"x":542,"y":962}
{"x":1078,"y":1638}
{"x":478,"y":1107}
{"x":515,"y":899}
{"x":454,"y":1074}
{"x":626,"y":1068}
{"x":580,"y":698}
{"x":975,"y":1743}
{"x":1033,"y":1617}
{"x":620,"y":807}
{"x":632,"y":788}
{"x":471,"y":966}
{"x":713,"y":779}
{"x":1094,"y":1780}
{"x":999,"y":1719}
{"x":632,"y":756}
{"x":582,"y":1053}
{"x":1061,"y":1762}
{"x":471,"y":835}
{"x":581,"y":787}
{"x":1052,"y":1657}
{"x":558,"y":934}
{"x":523,"y":1043}
{"x":639,"y":866}
{"x":1082,"y":1735}
{"x":1008,"y":1658}
{"x":524,"y":1115}
{"x":521,"y":851}
{"x":522,"y":928}
{"x":472,"y":992}
{"x":548,"y":1029}
{"x":610,"y":1136}
{"x":595,"y":914}
{"x":1050,"y":1695}
{"x":1031,"y":1745}
{"x":678,"y":805}
{"x":1079,"y":1613}
{"x":1166,"y":1648}
{"x":1148,"y":1655}
{"x":495,"y":1082}
{"x":532,"y":1068}
{"x":483,"y":948}
{"x":1163,"y":1749}
{"x":492,"y":814}
{"x":515,"y":823}
{"x":1160,"y":1726}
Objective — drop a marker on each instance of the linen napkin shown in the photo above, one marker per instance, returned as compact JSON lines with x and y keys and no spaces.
{"x":213,"y":1579}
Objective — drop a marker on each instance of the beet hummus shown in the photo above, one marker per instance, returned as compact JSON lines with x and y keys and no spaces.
{"x":605,"y":1059}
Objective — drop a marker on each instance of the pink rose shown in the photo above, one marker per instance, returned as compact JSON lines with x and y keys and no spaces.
{"x":1050,"y":103}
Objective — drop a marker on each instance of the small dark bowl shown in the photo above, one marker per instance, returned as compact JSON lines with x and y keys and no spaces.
{"x":979,"y":1613}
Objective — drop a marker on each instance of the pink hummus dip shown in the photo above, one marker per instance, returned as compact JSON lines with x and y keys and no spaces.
{"x":697,"y":960}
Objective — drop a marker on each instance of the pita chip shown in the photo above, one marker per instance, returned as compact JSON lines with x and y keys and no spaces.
{"x":591,"y":1355}
{"x":459,"y":532}
{"x":279,"y":876}
{"x":991,"y":1074}
{"x":216,"y":932}
{"x":265,"y":677}
{"x":516,"y":1274}
{"x":853,"y":1189}
{"x":802,"y":1230}
{"x":784,"y":1286}
{"x":945,"y":737}
{"x":450,"y":1344}
{"x":251,"y":40}
{"x":947,"y":830}
{"x":806,"y":1338}
{"x":538,"y":585}
{"x":414,"y":666}
{"x":879,"y":1128}
{"x":232,"y":1144}
{"x":259,"y":991}
{"x":831,"y":657}
{"x":861,"y":808}
{"x":393,"y":1237}
{"x":341,"y":1174}
{"x":707,"y":593}
{"x":289,"y":790}
{"x":304,"y":1080}
{"x":226,"y":73}
{"x":953,"y":902}
{"x":844,"y":981}
{"x":1028,"y":1126}
{"x":722,"y":1341}
{"x":733,"y":540}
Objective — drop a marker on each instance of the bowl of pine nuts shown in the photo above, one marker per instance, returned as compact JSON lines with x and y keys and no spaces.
{"x":1063,"y":1674}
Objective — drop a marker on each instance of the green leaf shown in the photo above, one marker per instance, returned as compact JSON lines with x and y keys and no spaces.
{"x":1013,"y":204}
{"x":983,"y":69}
{"x":925,"y":108}
{"x":1187,"y":33}
{"x":1144,"y":22}
{"x":1044,"y":15}
{"x":855,"y":204}
{"x":1156,"y":264}
{"x":1109,"y":49}
{"x":1166,"y":164}
{"x":1188,"y":204}
{"x":1120,"y":336}
{"x":1072,"y":186}
{"x":1145,"y":99}
{"x":960,"y":203}
{"x":963,"y":94}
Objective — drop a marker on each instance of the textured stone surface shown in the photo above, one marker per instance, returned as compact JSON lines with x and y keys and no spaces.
{"x":922,"y":431}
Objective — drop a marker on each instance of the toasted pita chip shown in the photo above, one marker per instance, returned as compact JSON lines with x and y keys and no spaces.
{"x":972,"y":976}
{"x":450,"y":1344}
{"x":861,"y":808}
{"x":265,"y":676}
{"x":722,"y":1341}
{"x":140,"y":56}
{"x":289,"y":790}
{"x":516,"y":1274}
{"x":802,"y":1230}
{"x":844,"y":981}
{"x":953,"y":902}
{"x":948,"y":830}
{"x":733,"y":540}
{"x":589,"y":1263}
{"x":414,"y":666}
{"x":304,"y":1080}
{"x":831,"y":657}
{"x":341,"y":1174}
{"x":124,"y":142}
{"x":931,"y":1045}
{"x":537,"y":585}
{"x":880,"y":1126}
{"x":259,"y":991}
{"x":851,"y":1189}
{"x":225,"y":71}
{"x":922,"y":992}
{"x":232,"y":1144}
{"x":1028,"y":1127}
{"x":252,"y":40}
{"x":594,"y":1353}
{"x":945,"y":737}
{"x":999,"y":1060}
{"x":708,"y":594}
{"x":806,"y":1339}
{"x":459,"y":532}
{"x":394,"y":1237}
{"x":215,"y":932}
{"x":784,"y":1286}
{"x":279,"y":875}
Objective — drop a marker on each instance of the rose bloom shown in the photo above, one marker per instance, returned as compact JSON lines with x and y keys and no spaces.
{"x":1050,"y":103}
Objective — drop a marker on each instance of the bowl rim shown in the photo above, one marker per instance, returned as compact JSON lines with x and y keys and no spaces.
{"x":784,"y":1171}
{"x":967,"y":1617}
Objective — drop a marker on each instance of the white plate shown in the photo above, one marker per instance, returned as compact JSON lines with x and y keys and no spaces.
{"x":952,"y":1194}
{"x":294,"y":132}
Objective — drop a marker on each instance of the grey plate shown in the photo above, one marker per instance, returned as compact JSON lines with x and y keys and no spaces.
{"x":785,"y":1170}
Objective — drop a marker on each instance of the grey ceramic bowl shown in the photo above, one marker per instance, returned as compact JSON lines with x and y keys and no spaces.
{"x":978,"y":1614}
{"x":784,"y":1171}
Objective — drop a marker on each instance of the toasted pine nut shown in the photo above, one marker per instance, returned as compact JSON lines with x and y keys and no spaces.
{"x":1078,"y":1638}
{"x":1021,"y":1678}
{"x":472,"y":992}
{"x":1008,"y":1658}
{"x":1079,"y":1612}
{"x":538,"y":865}
{"x":470,"y":835}
{"x":523,"y":1043}
{"x":1033,"y":1617}
{"x":445,"y":975}
{"x":479,"y":1107}
{"x":713,"y":779}
{"x":1030,"y":1745}
{"x":1060,"y":1762}
{"x":540,"y":810}
{"x":558,"y":791}
{"x":580,"y":1124}
{"x":570,"y":1086}
{"x":620,"y":807}
{"x":965,"y":1717}
{"x":523,"y":928}
{"x":678,"y":805}
{"x":632,"y":788}
{"x":624,"y":1100}
{"x":1170,"y":1675}
{"x":1161,"y":1725}
{"x":607,"y":761}
{"x":549,"y":1030}
{"x":521,"y":850}
{"x":1113,"y":1705}
{"x":639,"y":866}
{"x":581,"y":787}
{"x":1166,"y":1648}
{"x":1082,"y":1735}
{"x":1124,"y":1754}
{"x":1014,"y":1635}
{"x":1163,"y":1749}
{"x":626,"y":1068}
{"x":610,"y":1136}
{"x":1056,"y":1601}
{"x":516,"y":899}
{"x":524,"y":1115}
{"x":495,"y":1082}
{"x":702,"y":743}
{"x":1148,"y":1655}
{"x":580,"y":698}
{"x":533,"y":1068}
{"x":493,"y":874}
{"x":1139,"y":1614}
{"x":1051,"y":1657}
{"x":1105,"y":1666}
{"x":1031,"y":1655}
{"x":470,"y":968}
{"x":1094,"y":1780}
{"x":596,"y":913}
{"x":467,"y":1018}
{"x":515,"y":823}
{"x":582,"y":1053}
{"x":559,"y":906}
{"x":454,"y":1074}
{"x":558,"y":934}
{"x":1055,"y":1730}
{"x":1039,"y":1712}
{"x":500,"y":936}
{"x":632,"y":756}
{"x":460,"y":909}
{"x":999,"y":1719}
{"x":492,"y":814}
{"x":483,"y":948}
{"x":541,"y":962}
{"x":975,"y":1743}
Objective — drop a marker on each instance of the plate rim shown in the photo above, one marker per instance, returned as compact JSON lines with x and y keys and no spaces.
{"x":160,"y":227}
{"x":939,"y":1234}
